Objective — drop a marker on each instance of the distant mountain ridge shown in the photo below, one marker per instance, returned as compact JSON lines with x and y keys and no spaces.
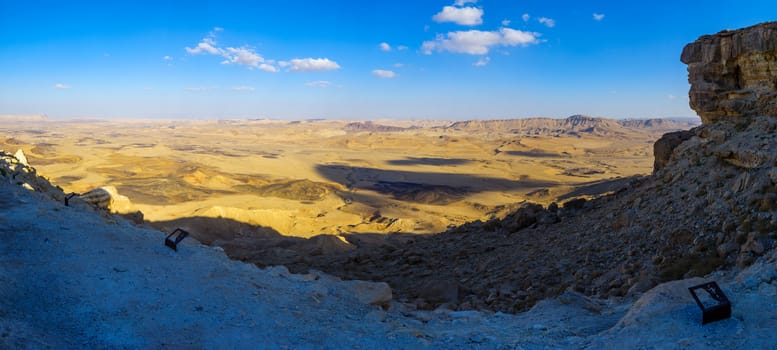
{"x":369,"y":126}
{"x":573,"y":125}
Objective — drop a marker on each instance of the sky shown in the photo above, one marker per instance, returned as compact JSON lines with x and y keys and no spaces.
{"x":402,"y":59}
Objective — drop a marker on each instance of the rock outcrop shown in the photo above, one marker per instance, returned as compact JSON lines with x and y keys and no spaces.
{"x":663,"y":148}
{"x":733,"y":74}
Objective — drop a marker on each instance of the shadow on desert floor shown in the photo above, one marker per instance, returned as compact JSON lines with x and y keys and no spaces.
{"x":536,"y":154}
{"x":429,"y":161}
{"x":400,"y":183}
{"x":600,"y":187}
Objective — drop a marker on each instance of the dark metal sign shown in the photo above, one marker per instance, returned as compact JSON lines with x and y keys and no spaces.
{"x":68,"y":197}
{"x":172,"y":242}
{"x":714,"y":305}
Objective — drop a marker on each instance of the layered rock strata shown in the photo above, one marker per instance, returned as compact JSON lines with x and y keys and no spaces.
{"x":733,"y":74}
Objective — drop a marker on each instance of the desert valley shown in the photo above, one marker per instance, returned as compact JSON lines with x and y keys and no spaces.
{"x":305,"y":178}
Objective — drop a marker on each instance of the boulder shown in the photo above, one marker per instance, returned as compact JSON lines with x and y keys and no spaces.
{"x":663,"y":148}
{"x":732,"y":74}
{"x":374,"y":293}
{"x":660,"y":300}
{"x":19,"y":155}
{"x":107,"y":197}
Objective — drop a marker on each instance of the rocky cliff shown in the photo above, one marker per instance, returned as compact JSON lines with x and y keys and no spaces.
{"x":733,"y":73}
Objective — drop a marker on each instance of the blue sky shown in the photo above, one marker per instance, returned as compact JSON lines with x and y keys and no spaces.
{"x":451,"y":59}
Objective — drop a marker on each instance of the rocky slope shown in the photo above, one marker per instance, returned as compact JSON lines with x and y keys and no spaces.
{"x":78,"y":277}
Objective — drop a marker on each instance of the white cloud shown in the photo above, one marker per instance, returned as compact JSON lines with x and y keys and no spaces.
{"x":383,"y":73}
{"x":319,"y":83}
{"x":401,"y":47}
{"x":476,"y":42}
{"x":512,"y":37}
{"x":167,"y":58}
{"x":399,"y":65}
{"x":598,"y":16}
{"x":548,"y":22}
{"x":505,"y":22}
{"x":310,"y":65}
{"x":671,"y":97}
{"x":525,"y":17}
{"x":198,"y":88}
{"x":385,"y":47}
{"x":464,"y":2}
{"x":60,"y":86}
{"x":482,"y":62}
{"x":242,"y":88}
{"x":247,"y":57}
{"x":207,"y":44}
{"x":468,"y":16}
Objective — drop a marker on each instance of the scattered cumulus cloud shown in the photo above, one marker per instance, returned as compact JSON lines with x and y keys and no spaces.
{"x":60,"y":86}
{"x":505,"y":22}
{"x":401,"y":48}
{"x":242,"y":88}
{"x":309,"y":65}
{"x":245,"y":56}
{"x":548,"y":22}
{"x":464,"y":2}
{"x":167,"y":58}
{"x":399,"y":65}
{"x":525,"y":17}
{"x":477,"y":42}
{"x":466,"y":16}
{"x":384,"y":46}
{"x":384,"y":73}
{"x":319,"y":83}
{"x":482,"y":62}
{"x":598,"y":16}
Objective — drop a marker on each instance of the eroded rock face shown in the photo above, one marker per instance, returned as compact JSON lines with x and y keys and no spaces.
{"x":733,"y":74}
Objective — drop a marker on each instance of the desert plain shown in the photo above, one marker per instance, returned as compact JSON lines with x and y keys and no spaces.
{"x":310,"y":177}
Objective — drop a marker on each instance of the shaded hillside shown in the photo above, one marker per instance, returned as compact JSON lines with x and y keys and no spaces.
{"x":369,"y":126}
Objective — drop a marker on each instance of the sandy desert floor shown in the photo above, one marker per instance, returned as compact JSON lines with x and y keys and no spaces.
{"x":305,"y":178}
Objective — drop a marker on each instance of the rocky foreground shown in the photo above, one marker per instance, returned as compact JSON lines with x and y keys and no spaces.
{"x":79,"y":277}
